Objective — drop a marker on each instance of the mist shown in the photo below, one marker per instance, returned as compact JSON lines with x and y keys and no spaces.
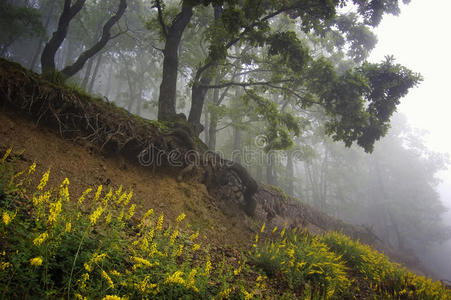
{"x":301,"y":109}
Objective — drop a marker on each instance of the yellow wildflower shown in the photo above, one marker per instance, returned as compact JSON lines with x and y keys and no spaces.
{"x":179,"y":251}
{"x":196,"y":247}
{"x":82,"y":197}
{"x":127,"y":199}
{"x":194,"y":236}
{"x":144,"y":217}
{"x":44,"y":180}
{"x":274,"y":230}
{"x":4,"y":265}
{"x":36,"y":262}
{"x":97,"y":195}
{"x":98,"y":258}
{"x":143,"y":261}
{"x":191,"y":281}
{"x":121,"y":198}
{"x":263,"y":228}
{"x":55,"y":210}
{"x":256,"y":238}
{"x":159,"y":226}
{"x":80,"y":297}
{"x":107,"y":197}
{"x":207,"y":266}
{"x":6,"y":155}
{"x":7,"y":218}
{"x":226,"y":293}
{"x":108,"y":218}
{"x":173,"y":236}
{"x":175,"y":278}
{"x":64,"y":190}
{"x":88,"y":268}
{"x":180,"y":218}
{"x":131,"y":211}
{"x":108,"y":279}
{"x":40,"y":239}
{"x":95,"y":215}
{"x":68,"y":227}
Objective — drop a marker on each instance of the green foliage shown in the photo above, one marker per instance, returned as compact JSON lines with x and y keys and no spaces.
{"x":302,"y":263}
{"x":93,"y":247}
{"x":362,"y":101}
{"x":18,"y":21}
{"x":387,"y":278}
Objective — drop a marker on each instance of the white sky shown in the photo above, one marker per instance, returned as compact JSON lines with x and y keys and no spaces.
{"x":420,"y":39}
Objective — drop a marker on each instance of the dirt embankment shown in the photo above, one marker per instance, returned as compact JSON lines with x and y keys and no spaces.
{"x":92,"y":142}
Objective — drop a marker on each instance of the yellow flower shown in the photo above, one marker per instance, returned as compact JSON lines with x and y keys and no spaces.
{"x":179,"y":251}
{"x":108,"y":218}
{"x":95,"y":215}
{"x":196,"y":247}
{"x":131,"y":212}
{"x":68,"y":227}
{"x":6,"y":155}
{"x":263,"y":228}
{"x":97,"y":195}
{"x":173,"y":236}
{"x":107,"y":197}
{"x":129,"y":196}
{"x":207,"y":266}
{"x":143,"y":261}
{"x":44,"y":180}
{"x":159,"y":226}
{"x":80,"y":297}
{"x":180,"y":218}
{"x":88,"y":268}
{"x":55,"y":210}
{"x":191,"y":281}
{"x":64,"y":190}
{"x":175,"y":278}
{"x":225,"y":293}
{"x":108,"y":279}
{"x":112,"y":297}
{"x":274,"y":230}
{"x":40,"y":239}
{"x":7,"y":218}
{"x":82,"y":197}
{"x":144,"y":217}
{"x":4,"y":265}
{"x":36,"y":262}
{"x":194,"y":236}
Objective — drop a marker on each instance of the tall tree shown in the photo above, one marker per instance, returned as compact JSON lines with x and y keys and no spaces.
{"x":52,"y":46}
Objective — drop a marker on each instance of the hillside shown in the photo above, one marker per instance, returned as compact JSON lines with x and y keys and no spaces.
{"x":92,"y":142}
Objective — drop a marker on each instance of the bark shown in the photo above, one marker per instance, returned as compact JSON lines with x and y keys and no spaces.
{"x":198,"y":93}
{"x":41,"y":39}
{"x":168,"y":87}
{"x":106,"y":36}
{"x":52,"y":46}
{"x":212,"y":128}
{"x":203,"y":78}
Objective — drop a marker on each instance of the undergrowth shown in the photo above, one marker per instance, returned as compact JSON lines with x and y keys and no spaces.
{"x":93,"y":246}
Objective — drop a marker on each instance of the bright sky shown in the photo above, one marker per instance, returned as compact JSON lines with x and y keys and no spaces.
{"x":420,"y":39}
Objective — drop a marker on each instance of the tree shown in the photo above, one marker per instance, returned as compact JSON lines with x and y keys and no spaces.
{"x":18,"y":22}
{"x":52,"y":46}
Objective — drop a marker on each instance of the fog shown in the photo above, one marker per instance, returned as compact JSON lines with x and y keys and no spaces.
{"x":283,"y":101}
{"x":419,"y":38}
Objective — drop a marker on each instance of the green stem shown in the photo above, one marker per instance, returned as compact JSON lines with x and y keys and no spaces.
{"x":73,"y":264}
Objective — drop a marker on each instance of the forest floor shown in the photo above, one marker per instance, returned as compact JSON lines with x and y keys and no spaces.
{"x":228,"y":232}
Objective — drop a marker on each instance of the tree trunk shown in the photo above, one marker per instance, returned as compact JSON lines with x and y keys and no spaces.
{"x":168,"y":87}
{"x":71,"y":70}
{"x":41,"y":39}
{"x":203,"y":78}
{"x":271,"y":177}
{"x":52,"y":46}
